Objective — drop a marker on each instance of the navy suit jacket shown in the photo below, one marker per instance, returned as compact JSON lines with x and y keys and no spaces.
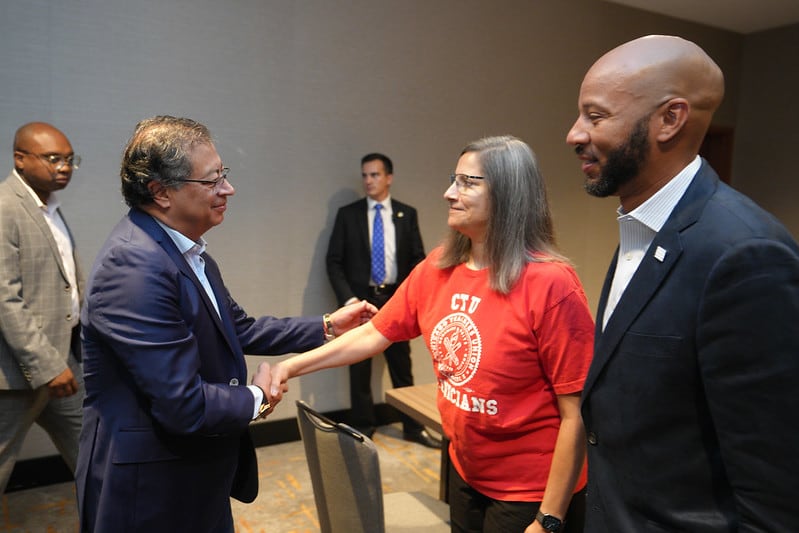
{"x":691,"y":405}
{"x":165,"y":439}
{"x":349,"y":254}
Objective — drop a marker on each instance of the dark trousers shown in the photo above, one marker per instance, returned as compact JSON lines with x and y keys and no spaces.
{"x":473,"y":512}
{"x":398,"y":360}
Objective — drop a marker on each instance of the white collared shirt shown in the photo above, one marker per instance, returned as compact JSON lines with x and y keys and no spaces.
{"x":638,"y":228}
{"x":66,"y":251}
{"x":389,"y":235}
{"x":193,"y":251}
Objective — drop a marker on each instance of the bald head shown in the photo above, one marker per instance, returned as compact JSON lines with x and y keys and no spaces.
{"x":657,"y":68}
{"x":644,"y":110}
{"x":43,"y":158}
{"x":30,"y":134}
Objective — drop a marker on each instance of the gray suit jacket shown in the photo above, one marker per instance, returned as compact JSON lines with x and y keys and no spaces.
{"x":35,"y":304}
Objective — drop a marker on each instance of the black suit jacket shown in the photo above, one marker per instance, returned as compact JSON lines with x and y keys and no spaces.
{"x":349,"y":256}
{"x":691,"y":404}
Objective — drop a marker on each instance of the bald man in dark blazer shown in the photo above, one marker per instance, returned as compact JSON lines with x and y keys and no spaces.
{"x":690,"y":405}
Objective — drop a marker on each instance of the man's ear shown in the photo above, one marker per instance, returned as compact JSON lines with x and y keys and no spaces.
{"x":19,"y":161}
{"x":160,"y":194}
{"x":673,"y":116}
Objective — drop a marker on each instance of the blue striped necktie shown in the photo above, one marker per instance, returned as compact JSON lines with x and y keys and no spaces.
{"x":378,"y":253}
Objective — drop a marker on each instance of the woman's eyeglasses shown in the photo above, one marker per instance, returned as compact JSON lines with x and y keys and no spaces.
{"x":464,"y":182}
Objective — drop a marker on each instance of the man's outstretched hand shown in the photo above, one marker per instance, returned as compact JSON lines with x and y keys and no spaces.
{"x":351,"y":316}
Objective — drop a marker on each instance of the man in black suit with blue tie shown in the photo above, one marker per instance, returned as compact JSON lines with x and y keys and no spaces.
{"x":359,"y":270}
{"x":690,"y":405}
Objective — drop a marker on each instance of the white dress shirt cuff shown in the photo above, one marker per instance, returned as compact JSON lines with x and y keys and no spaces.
{"x":258,"y":395}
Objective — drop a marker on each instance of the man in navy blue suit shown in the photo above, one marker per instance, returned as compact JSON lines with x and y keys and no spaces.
{"x":165,"y":440}
{"x":690,"y":405}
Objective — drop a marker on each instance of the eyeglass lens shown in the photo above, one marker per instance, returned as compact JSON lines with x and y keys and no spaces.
{"x":462,"y":181}
{"x":222,"y":178}
{"x":58,"y":162}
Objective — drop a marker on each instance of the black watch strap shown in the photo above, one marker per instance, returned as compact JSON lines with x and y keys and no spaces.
{"x":550,"y":523}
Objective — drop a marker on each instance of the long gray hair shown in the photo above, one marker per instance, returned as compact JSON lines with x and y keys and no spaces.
{"x":519,"y":222}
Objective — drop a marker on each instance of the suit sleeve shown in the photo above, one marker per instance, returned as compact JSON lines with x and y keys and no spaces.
{"x":748,"y":350}
{"x":21,"y":328}
{"x":268,"y":335}
{"x":336,"y":260}
{"x":135,"y":313}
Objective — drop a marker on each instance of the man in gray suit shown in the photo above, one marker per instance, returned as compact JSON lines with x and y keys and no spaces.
{"x":40,"y":290}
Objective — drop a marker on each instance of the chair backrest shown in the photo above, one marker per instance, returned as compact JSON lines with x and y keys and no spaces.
{"x":345,"y":474}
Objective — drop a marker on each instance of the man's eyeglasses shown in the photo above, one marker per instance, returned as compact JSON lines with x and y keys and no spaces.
{"x":464,"y":182}
{"x":57,"y":161}
{"x":212,"y":184}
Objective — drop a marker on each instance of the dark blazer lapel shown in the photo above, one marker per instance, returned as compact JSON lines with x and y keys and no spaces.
{"x":650,"y":274}
{"x":643,"y":285}
{"x":363,"y":228}
{"x":218,"y":286}
{"x":603,"y":299}
{"x":400,"y":228}
{"x":148,"y":224}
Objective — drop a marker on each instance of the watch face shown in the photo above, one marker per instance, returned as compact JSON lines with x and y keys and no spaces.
{"x":550,"y":523}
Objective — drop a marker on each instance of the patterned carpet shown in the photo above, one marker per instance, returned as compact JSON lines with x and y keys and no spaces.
{"x":284,"y":505}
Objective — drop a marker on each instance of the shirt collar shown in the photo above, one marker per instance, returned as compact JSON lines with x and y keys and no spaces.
{"x":53,"y":201}
{"x":370,"y":203}
{"x":183,"y":243}
{"x":654,"y":212}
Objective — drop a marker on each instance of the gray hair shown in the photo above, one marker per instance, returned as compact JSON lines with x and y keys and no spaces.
{"x":159,"y":151}
{"x":520,"y":226}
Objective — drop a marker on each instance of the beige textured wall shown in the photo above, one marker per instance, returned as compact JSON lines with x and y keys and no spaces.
{"x":296,"y":92}
{"x":767,"y":130}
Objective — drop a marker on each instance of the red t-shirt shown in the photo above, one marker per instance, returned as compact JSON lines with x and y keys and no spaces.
{"x":500,"y":361}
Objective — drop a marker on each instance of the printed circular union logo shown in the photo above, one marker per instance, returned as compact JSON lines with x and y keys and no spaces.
{"x":456,"y":347}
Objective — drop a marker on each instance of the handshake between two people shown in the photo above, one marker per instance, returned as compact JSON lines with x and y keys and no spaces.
{"x":273,"y":380}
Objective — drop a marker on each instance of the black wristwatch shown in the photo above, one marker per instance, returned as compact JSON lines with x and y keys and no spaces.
{"x":550,"y":523}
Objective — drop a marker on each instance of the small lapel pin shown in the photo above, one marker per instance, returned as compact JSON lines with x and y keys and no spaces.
{"x":400,"y":214}
{"x":660,"y":254}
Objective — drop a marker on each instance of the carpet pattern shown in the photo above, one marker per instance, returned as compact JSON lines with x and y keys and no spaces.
{"x":285,"y":502}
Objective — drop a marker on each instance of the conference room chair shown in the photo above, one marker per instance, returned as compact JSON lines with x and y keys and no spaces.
{"x":345,"y":476}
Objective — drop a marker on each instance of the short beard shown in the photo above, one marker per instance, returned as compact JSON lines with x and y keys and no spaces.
{"x":623,"y":164}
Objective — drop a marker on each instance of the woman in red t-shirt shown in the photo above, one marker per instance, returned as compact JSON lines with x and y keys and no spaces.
{"x":507,"y":323}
